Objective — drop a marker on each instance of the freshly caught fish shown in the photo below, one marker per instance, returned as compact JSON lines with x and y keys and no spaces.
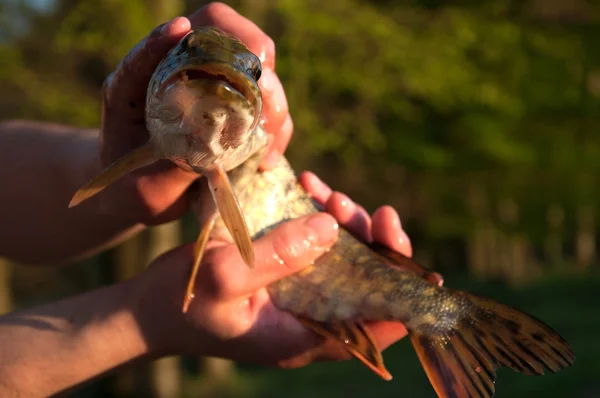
{"x":460,"y":338}
{"x":203,"y":106}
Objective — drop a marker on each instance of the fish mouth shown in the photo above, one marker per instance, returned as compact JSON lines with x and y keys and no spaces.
{"x":242,"y":85}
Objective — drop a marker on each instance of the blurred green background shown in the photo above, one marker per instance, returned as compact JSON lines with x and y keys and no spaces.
{"x":477,"y":120}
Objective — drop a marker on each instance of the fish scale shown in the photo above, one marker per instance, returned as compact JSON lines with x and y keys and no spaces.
{"x":460,"y":338}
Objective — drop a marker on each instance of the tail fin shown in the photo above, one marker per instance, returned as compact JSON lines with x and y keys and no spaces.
{"x":463,"y":362}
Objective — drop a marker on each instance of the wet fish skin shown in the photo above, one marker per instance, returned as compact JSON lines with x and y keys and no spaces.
{"x":460,"y":338}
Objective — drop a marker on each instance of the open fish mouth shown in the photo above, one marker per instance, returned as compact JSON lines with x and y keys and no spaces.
{"x":235,"y":82}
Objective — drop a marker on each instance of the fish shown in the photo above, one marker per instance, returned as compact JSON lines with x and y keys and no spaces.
{"x":202,"y":112}
{"x":460,"y":338}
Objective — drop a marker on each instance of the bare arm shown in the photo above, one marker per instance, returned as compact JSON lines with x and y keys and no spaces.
{"x":42,"y":166}
{"x":57,"y":346}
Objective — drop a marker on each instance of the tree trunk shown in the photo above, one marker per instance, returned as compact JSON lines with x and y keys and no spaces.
{"x":481,"y":237}
{"x":218,"y":369}
{"x":555,"y":217}
{"x":585,"y":241}
{"x":517,"y":266}
{"x":6,"y":302}
{"x":127,"y":263}
{"x":165,"y":372}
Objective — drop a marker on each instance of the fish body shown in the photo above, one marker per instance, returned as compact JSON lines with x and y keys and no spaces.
{"x":460,"y":338}
{"x":203,"y":104}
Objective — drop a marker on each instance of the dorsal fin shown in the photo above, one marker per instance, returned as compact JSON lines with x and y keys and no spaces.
{"x":399,"y":260}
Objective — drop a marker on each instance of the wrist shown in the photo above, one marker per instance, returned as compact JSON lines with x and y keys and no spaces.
{"x":125,"y":340}
{"x":157,"y":298}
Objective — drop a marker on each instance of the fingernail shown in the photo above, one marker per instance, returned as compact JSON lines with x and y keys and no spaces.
{"x":270,"y":160}
{"x":324,"y":228}
{"x":174,"y":25}
{"x":268,"y":80}
{"x":403,"y":236}
{"x":344,"y":199}
{"x":317,"y":185}
{"x":279,"y":99}
{"x":403,"y":239}
{"x":288,"y":125}
{"x":396,"y":219}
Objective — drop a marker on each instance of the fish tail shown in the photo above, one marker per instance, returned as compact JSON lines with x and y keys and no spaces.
{"x":462,"y":363}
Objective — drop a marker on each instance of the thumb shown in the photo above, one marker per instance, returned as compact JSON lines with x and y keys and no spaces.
{"x":286,"y":249}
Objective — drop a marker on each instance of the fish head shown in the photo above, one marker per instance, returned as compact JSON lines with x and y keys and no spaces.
{"x":203,"y":101}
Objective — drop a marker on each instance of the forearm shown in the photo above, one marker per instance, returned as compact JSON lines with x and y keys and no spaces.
{"x":43,"y":165}
{"x":48,"y":349}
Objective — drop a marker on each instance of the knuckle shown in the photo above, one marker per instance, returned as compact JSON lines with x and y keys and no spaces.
{"x":269,"y":47}
{"x":222,"y":283}
{"x":288,"y":247}
{"x":214,"y":8}
{"x":151,"y":204}
{"x":106,"y":88}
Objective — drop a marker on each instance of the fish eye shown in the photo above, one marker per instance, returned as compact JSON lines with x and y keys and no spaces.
{"x":185,"y":44}
{"x":257,"y":71}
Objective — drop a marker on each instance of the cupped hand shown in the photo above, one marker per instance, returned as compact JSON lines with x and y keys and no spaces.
{"x":232,"y":315}
{"x":157,"y":193}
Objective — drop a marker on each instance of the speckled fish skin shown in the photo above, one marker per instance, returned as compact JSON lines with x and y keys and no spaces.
{"x":351,"y":281}
{"x":460,"y":338}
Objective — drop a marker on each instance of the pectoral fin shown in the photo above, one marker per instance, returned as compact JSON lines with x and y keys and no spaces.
{"x":231,"y":213}
{"x":135,"y":159}
{"x":356,"y":338}
{"x":199,"y":249}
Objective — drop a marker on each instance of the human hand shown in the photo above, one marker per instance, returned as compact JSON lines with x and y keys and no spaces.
{"x":232,"y":315}
{"x":157,"y":193}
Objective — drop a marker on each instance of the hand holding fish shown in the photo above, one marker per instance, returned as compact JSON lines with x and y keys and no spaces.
{"x":232,"y":315}
{"x":157,"y":193}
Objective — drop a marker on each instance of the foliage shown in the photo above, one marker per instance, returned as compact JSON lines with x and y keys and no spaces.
{"x":477,"y":120}
{"x":456,"y":113}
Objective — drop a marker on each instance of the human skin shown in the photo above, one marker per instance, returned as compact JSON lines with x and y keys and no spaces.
{"x":44,"y":164}
{"x":231,"y":316}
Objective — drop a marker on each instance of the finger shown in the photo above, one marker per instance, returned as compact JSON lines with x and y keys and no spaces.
{"x":165,"y":186}
{"x":127,"y":84}
{"x":228,"y":20}
{"x":350,"y":215}
{"x":285,"y":250}
{"x":164,"y":196}
{"x":316,"y":187}
{"x":275,"y":105}
{"x":278,"y":144}
{"x":388,"y":231}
